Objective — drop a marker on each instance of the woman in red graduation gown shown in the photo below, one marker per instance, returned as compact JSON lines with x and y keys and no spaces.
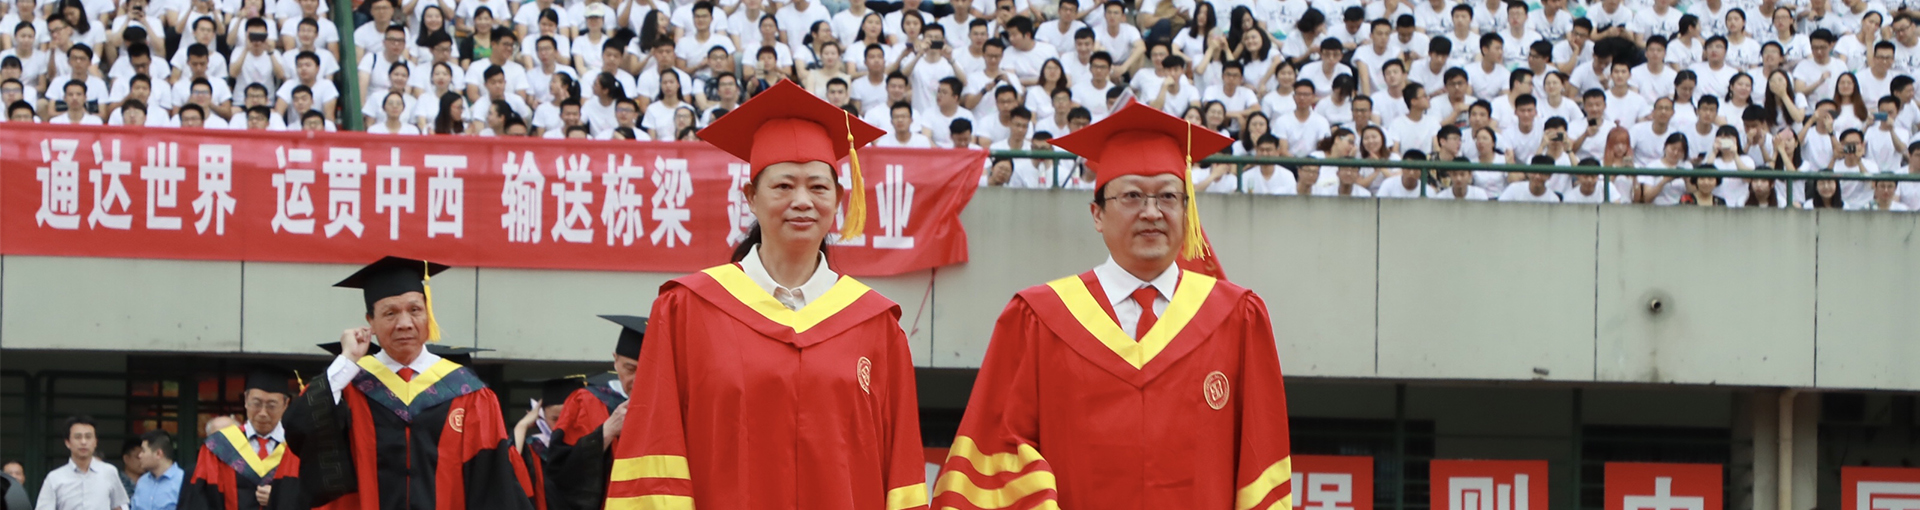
{"x":771,"y":382}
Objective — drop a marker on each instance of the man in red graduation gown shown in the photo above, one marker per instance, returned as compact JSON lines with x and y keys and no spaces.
{"x":1136,"y":385}
{"x":760,"y":393}
{"x":403,"y":428}
{"x":247,"y":466}
{"x":580,"y":453}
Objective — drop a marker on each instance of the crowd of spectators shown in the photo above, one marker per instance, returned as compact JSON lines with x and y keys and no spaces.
{"x":1807,"y":85}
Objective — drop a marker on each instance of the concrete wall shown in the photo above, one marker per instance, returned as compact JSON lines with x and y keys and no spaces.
{"x":1397,"y":289}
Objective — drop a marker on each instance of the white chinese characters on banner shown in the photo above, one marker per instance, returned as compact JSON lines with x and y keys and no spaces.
{"x":393,"y":192}
{"x":345,"y":173}
{"x":109,"y":192}
{"x":163,"y":175}
{"x":739,"y":214}
{"x":1327,"y":491}
{"x":624,"y":211}
{"x":1886,"y":496}
{"x":1481,"y":493}
{"x":522,"y":195}
{"x":673,"y":185}
{"x":293,"y":202}
{"x":216,"y":189}
{"x":572,"y":201}
{"x":1664,"y":499}
{"x":59,"y":185}
{"x":895,"y":197}
{"x":446,"y":196}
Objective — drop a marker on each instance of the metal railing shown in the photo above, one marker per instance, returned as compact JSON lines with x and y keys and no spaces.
{"x":1244,"y":162}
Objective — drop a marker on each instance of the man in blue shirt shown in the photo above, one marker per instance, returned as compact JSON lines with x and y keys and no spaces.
{"x":159,"y":489}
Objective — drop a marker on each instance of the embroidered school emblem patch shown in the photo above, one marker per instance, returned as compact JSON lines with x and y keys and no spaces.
{"x":1216,"y":389}
{"x":864,"y":370}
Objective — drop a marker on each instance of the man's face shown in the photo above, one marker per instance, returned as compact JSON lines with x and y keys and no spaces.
{"x":1114,"y":14}
{"x":1418,"y":102}
{"x":443,"y":52}
{"x":1006,"y":102}
{"x":1821,"y":48}
{"x":394,"y":43}
{"x":1851,"y":146}
{"x":1017,"y":129}
{"x":76,"y":98}
{"x":1396,"y":77}
{"x":1596,"y":107}
{"x":945,"y":96}
{"x":20,"y":115}
{"x":1662,"y":111}
{"x":992,"y":57}
{"x":306,"y":35}
{"x":256,"y":97}
{"x":1378,"y":38}
{"x":191,"y":119}
{"x":1329,"y":56}
{"x":23,"y":37}
{"x":1083,"y":47}
{"x":702,"y":19}
{"x":313,"y":124}
{"x":81,"y":441}
{"x":1525,"y":113}
{"x":1230,"y":78}
{"x":1706,"y":113}
{"x":1457,"y":88}
{"x":257,"y":121}
{"x":625,"y":113}
{"x":1491,"y":51}
{"x":303,"y":102}
{"x":1621,"y":75}
{"x":876,"y":60}
{"x":307,"y":69}
{"x":1480,"y":117}
{"x":837,"y":95}
{"x":1068,"y":13}
{"x":570,"y":115}
{"x":977,"y":36}
{"x":1100,"y":69}
{"x":1717,"y":52}
{"x":896,"y":90}
{"x":264,"y":409}
{"x":1150,"y":232}
{"x":1882,"y":60}
{"x":625,"y":368}
{"x":400,"y":323}
{"x":497,"y":86}
{"x":80,"y":62}
{"x":902,"y":120}
{"x":1580,"y":35}
{"x":11,"y":93}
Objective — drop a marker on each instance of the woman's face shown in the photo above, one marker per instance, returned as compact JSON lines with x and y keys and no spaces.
{"x":1193,"y":116}
{"x":1736,"y":23}
{"x":1250,"y":40}
{"x":768,"y":29}
{"x":871,"y":26}
{"x":1826,"y":188}
{"x":1343,"y":146}
{"x":1674,"y":152}
{"x":1484,"y":140}
{"x":911,"y":26}
{"x":795,"y":203}
{"x":1373,"y":141}
{"x":442,"y":77}
{"x":830,"y":56}
{"x":1729,"y":140}
{"x":682,"y":119}
{"x":433,"y":19}
{"x":1760,"y":187}
{"x":397,"y":77}
{"x":458,"y":110}
{"x":393,"y":106}
{"x":1776,"y":80}
{"x":670,"y":87}
{"x":1216,"y":115}
{"x":1553,"y":86}
{"x":1783,"y":22}
{"x":1257,"y":125}
{"x":1742,"y":87}
{"x":1050,"y":72}
{"x":823,"y":32}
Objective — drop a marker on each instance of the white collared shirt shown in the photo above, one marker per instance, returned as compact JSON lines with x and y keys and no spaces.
{"x":615,"y":384}
{"x":1119,"y":286}
{"x":341,"y":372}
{"x":275,"y":438}
{"x":816,"y":286}
{"x":69,"y":488}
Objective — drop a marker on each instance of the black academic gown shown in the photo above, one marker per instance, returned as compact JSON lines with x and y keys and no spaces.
{"x":435,"y":443}
{"x":579,"y":461}
{"x":230,"y":469}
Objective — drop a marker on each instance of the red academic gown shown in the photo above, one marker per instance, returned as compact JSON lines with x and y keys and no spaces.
{"x":578,"y":461}
{"x":230,"y":469}
{"x":1068,"y":412}
{"x":742,"y":404}
{"x":435,"y":443}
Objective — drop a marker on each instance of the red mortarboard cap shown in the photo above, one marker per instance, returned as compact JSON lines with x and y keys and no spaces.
{"x":1141,"y":140}
{"x":784,"y":124}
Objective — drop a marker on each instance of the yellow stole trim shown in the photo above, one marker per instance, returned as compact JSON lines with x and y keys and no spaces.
{"x":1185,"y":302}
{"x":1256,"y":491}
{"x":651,"y":466}
{"x":843,"y":294}
{"x":655,"y":502}
{"x":407,"y":390}
{"x":240,"y":443}
{"x":911,"y":496}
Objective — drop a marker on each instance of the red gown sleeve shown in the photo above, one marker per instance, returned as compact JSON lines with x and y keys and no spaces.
{"x":479,"y":468}
{"x":907,"y":464}
{"x":650,"y":456}
{"x":212,"y":486}
{"x":996,"y":459}
{"x":1265,"y":471}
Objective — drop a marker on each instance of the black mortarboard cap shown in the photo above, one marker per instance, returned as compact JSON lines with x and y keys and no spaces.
{"x":632,"y":330}
{"x":391,"y":276}
{"x":554,"y":392}
{"x":270,"y":379}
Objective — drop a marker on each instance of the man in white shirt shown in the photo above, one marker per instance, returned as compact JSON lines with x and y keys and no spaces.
{"x":946,"y":111}
{"x":84,"y":482}
{"x":1416,"y":130}
{"x":798,"y":16}
{"x":1534,"y":189}
{"x":1853,"y":160}
{"x":1060,"y":32}
{"x":1650,"y":137}
{"x":925,"y":69}
{"x":1301,"y":129}
{"x":306,"y":73}
{"x":1489,"y":77}
{"x":1522,"y":137}
{"x":1024,"y":55}
{"x":1378,"y":50}
{"x":1091,"y":93}
{"x":692,"y":47}
{"x":1323,"y":72}
{"x":255,"y":62}
{"x":1816,"y":75}
{"x":1713,"y":73}
{"x":1239,"y":100}
{"x":504,"y":43}
{"x":1877,"y":81}
{"x":1654,"y":79}
{"x":1121,"y":39}
{"x":905,"y":132}
{"x":880,"y":111}
{"x":197,"y":65}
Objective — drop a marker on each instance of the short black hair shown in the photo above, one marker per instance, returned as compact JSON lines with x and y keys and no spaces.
{"x":80,"y":419}
{"x":160,"y":441}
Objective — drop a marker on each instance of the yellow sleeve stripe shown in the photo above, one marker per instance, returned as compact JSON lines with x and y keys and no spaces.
{"x":1044,"y":505}
{"x":989,"y":465}
{"x":993,"y":499}
{"x":651,"y":503}
{"x":1285,"y":503}
{"x":911,"y":496}
{"x":651,"y":466}
{"x":1279,"y":473}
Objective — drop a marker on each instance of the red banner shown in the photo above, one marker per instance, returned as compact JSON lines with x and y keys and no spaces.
{"x":1332,"y":482}
{"x":1648,"y":486}
{"x":465,"y":201}
{"x":1489,"y":485}
{"x":1879,"y":488}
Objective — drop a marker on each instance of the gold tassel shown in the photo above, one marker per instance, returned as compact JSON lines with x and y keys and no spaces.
{"x":856,"y":223}
{"x":433,"y":325}
{"x":1195,"y":246}
{"x":301,"y":382}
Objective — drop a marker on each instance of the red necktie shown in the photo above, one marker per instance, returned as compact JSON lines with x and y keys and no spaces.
{"x":406,"y":374}
{"x":262,"y":450}
{"x":1145,"y":297}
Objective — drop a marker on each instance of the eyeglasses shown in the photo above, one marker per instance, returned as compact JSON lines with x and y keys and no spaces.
{"x":396,"y":41}
{"x":269,"y":405}
{"x":1168,"y":202}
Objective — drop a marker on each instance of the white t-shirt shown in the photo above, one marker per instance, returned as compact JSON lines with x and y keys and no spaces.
{"x":1523,"y":192}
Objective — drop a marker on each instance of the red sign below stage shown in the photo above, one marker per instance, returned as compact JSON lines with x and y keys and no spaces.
{"x":1332,"y":482}
{"x":1488,"y":485}
{"x":465,"y":201}
{"x":1647,"y":486}
{"x":1879,"y":488}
